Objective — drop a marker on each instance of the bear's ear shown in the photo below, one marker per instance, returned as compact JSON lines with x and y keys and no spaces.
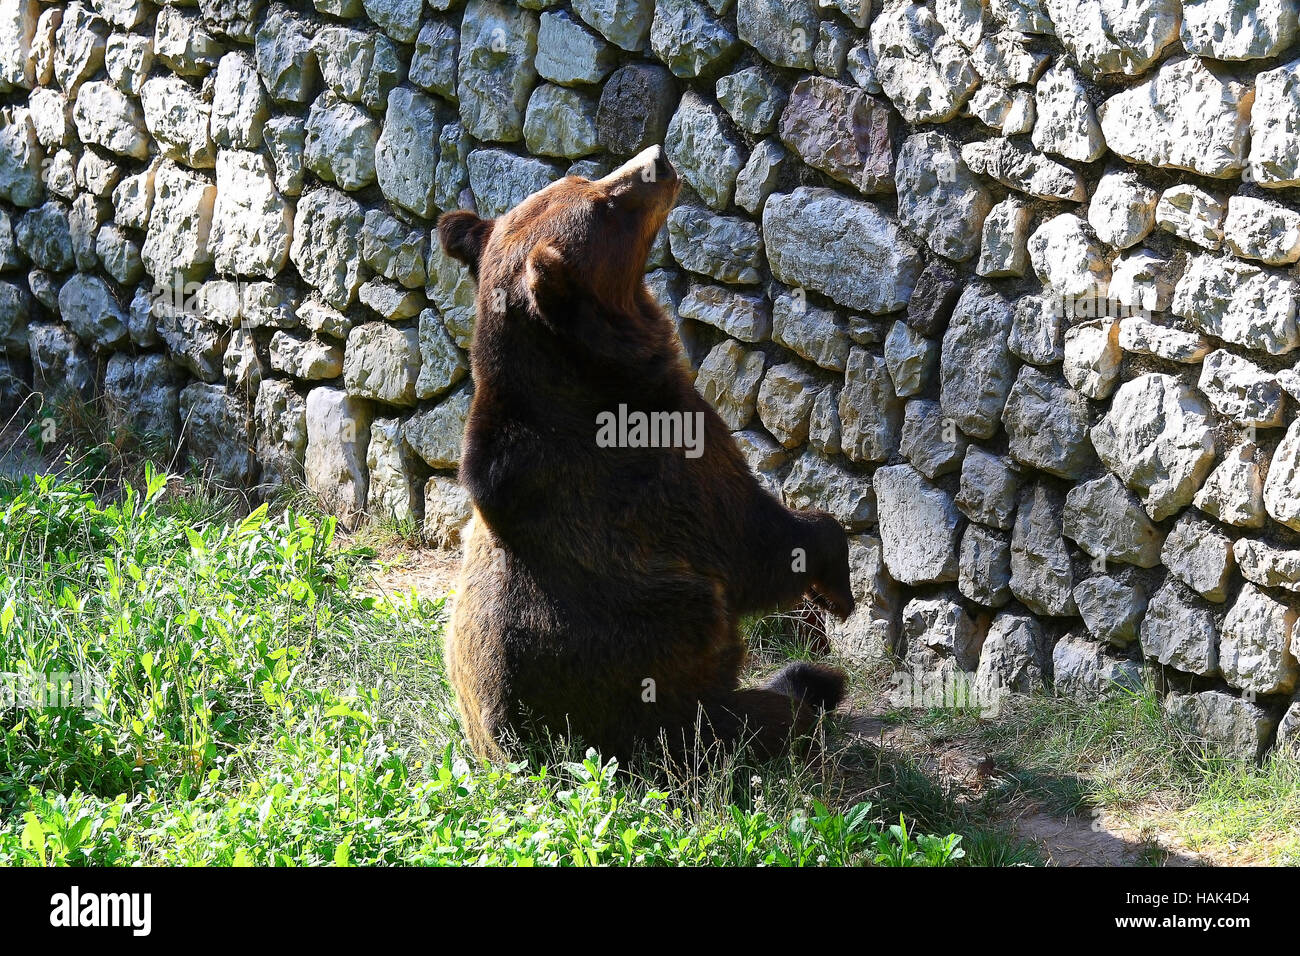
{"x":464,"y":235}
{"x":545,"y":276}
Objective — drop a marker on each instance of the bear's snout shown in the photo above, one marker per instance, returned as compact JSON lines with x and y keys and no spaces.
{"x":648,"y":168}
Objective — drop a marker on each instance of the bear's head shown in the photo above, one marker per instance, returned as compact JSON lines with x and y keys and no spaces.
{"x":575,"y":239}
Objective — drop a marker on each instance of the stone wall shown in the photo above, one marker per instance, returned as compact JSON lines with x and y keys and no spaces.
{"x":1008,"y":285}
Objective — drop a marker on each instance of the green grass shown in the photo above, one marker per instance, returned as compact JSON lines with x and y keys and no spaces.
{"x":262,"y":705}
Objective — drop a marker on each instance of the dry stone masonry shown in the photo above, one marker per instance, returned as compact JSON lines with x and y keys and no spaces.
{"x":1008,"y":286}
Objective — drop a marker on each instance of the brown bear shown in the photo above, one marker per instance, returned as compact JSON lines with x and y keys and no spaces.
{"x":619,"y":536}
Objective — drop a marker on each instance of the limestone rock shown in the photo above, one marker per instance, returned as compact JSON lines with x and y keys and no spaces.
{"x":496,"y":72}
{"x":394,"y":491}
{"x":180,"y":224}
{"x":1014,"y":658}
{"x":182,"y":44}
{"x":782,"y":32}
{"x":561,"y":122}
{"x":145,"y":389}
{"x":1256,"y":648}
{"x":285,"y":58}
{"x":1241,"y":390}
{"x":725,"y":248}
{"x":919,"y":526}
{"x":1191,"y":213}
{"x":814,"y":482}
{"x":442,"y":363}
{"x":729,"y":379}
{"x":1236,"y":727}
{"x":785,"y":401}
{"x":326,"y":244}
{"x":938,"y":196}
{"x":1004,"y":246}
{"x":928,"y":441}
{"x":976,"y":370}
{"x":1041,"y":573}
{"x":340,"y":141}
{"x":398,"y":18}
{"x":501,"y":180}
{"x":1047,"y":425}
{"x":912,"y":359}
{"x":943,"y":625}
{"x":434,"y":62}
{"x":868,"y":634}
{"x":280,"y":414}
{"x":251,"y":222}
{"x":1066,"y":124}
{"x":1224,"y":30}
{"x":636,"y":106}
{"x":753,"y":99}
{"x":44,"y":236}
{"x":984,"y":575}
{"x":382,"y":362}
{"x":1200,"y":556}
{"x":625,"y":23}
{"x":1115,"y":36}
{"x":436,"y":433}
{"x":690,"y":40}
{"x":1234,"y":492}
{"x":1267,"y":565}
{"x":989,"y":489}
{"x":178,"y":119}
{"x":451,"y":289}
{"x":338,"y":435}
{"x":1144,"y":282}
{"x":393,"y":249}
{"x":192,"y":342}
{"x":1038,"y":329}
{"x":1263,"y":230}
{"x":304,"y":357}
{"x":240,"y":107}
{"x":1005,"y":58}
{"x":1158,"y":438}
{"x":702,"y":150}
{"x":1163,"y":341}
{"x":447,"y":510}
{"x":1106,"y":520}
{"x":286,"y":140}
{"x":1122,"y":210}
{"x":809,"y":331}
{"x":1239,"y":303}
{"x":1282,"y":489}
{"x":1186,"y":116}
{"x":1021,"y":168}
{"x":847,"y":135}
{"x":405,"y":160}
{"x":88,"y":306}
{"x":1068,"y":257}
{"x":1083,"y":670}
{"x":216,"y":428}
{"x":1092,"y":358}
{"x":107,"y":117}
{"x":869,"y":411}
{"x":568,"y":53}
{"x":847,"y":250}
{"x":61,"y":365}
{"x":1111,"y":609}
{"x":926,"y":74}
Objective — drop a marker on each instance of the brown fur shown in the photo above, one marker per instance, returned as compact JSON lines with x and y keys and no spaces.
{"x":592,"y":569}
